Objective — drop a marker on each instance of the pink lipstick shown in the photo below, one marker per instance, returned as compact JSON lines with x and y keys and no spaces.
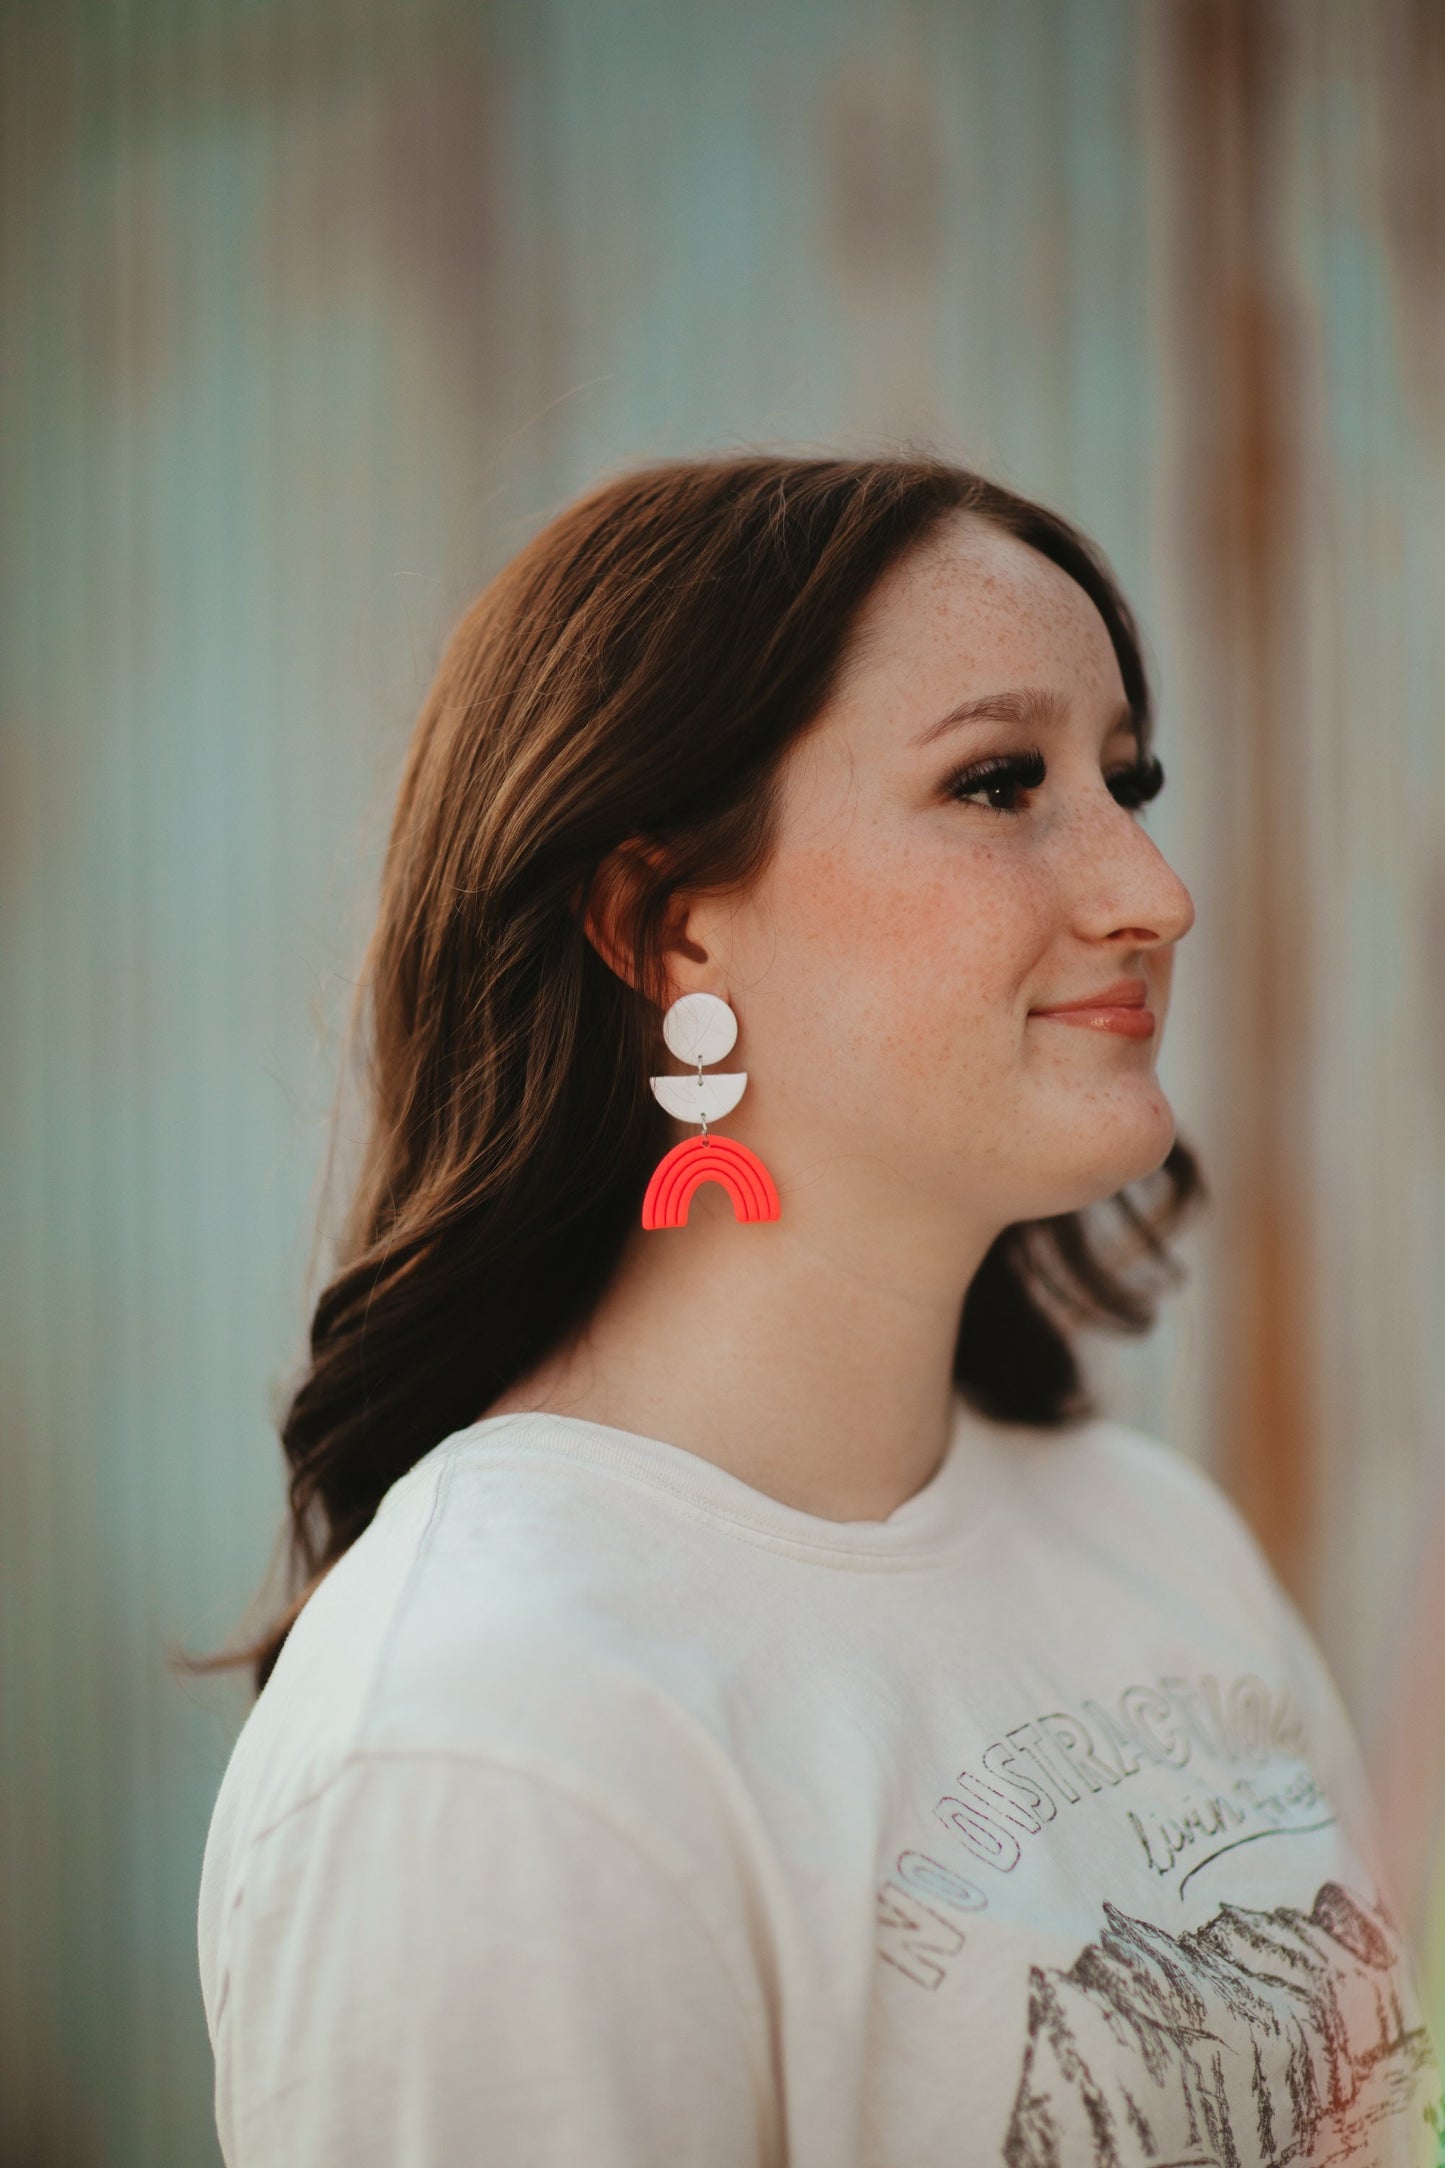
{"x":1119,"y":1008}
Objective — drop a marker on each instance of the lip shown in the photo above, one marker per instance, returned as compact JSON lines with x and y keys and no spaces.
{"x":1120,"y":1008}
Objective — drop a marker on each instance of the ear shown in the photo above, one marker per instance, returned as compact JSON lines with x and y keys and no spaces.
{"x":607,"y":908}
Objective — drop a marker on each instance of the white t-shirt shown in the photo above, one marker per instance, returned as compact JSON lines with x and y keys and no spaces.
{"x":604,"y":1811}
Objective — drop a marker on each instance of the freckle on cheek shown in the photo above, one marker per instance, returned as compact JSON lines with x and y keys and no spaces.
{"x":827,"y":893}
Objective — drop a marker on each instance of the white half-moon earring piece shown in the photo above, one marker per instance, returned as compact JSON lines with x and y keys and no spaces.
{"x":699,"y":1028}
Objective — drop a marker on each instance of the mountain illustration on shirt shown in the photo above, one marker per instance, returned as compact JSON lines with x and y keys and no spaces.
{"x":1256,"y":2040}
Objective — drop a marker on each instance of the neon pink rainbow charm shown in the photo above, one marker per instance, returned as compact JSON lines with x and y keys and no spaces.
{"x":701,"y":1028}
{"x":677,"y":1177}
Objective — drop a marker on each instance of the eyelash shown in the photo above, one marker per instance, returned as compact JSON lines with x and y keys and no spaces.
{"x":1141,"y":781}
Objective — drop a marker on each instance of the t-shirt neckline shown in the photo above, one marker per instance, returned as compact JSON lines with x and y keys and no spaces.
{"x":950,"y":1511}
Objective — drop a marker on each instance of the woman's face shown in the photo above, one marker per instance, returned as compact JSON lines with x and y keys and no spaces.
{"x":887,"y":965}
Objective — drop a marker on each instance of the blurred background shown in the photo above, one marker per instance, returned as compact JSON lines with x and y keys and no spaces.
{"x":310,"y":315}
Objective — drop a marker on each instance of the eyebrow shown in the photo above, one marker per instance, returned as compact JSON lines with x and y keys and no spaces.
{"x":1029,"y":704}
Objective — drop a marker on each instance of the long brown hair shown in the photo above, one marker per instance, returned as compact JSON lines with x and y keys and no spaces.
{"x":636,"y":671}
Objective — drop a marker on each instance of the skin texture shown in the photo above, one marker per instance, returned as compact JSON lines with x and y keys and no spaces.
{"x":907,"y":1104}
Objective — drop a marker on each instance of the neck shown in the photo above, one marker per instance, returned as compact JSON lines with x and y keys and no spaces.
{"x":811,"y":1356}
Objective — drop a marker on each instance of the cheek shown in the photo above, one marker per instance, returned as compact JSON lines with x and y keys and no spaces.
{"x":903,"y":961}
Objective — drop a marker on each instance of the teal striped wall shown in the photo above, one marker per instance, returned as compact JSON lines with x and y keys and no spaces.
{"x":309,"y":315}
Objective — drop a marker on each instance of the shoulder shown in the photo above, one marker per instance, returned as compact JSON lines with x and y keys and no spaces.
{"x":1156,"y":1501}
{"x":545,"y":1618}
{"x":471,"y":1737}
{"x":1120,"y":1500}
{"x":489,"y":1618}
{"x":1202,"y":1540}
{"x":1159,"y":1477}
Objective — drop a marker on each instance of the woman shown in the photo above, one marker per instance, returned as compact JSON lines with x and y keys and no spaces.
{"x":744,"y":1704}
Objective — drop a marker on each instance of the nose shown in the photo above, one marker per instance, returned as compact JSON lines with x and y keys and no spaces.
{"x":1125,"y":888}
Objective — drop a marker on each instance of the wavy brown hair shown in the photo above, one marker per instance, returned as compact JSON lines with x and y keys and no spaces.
{"x":636,"y":673}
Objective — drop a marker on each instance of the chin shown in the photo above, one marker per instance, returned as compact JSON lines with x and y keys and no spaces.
{"x":1152,"y":1145}
{"x":1136,"y":1149}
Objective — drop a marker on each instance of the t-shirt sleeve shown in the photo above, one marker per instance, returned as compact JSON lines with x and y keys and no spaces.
{"x":447,"y":1961}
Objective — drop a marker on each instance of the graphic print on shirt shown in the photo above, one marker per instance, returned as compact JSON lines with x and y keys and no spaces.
{"x":1143,"y":1756}
{"x":1262,"y":2036}
{"x":1273,"y":2035}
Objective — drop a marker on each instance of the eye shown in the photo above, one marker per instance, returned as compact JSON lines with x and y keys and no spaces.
{"x":1138,"y":783}
{"x":1009,"y":773}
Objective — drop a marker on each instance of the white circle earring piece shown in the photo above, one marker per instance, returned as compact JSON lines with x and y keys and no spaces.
{"x":702,"y":1028}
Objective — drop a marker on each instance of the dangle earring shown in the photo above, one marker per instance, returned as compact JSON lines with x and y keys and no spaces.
{"x":701,"y":1028}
